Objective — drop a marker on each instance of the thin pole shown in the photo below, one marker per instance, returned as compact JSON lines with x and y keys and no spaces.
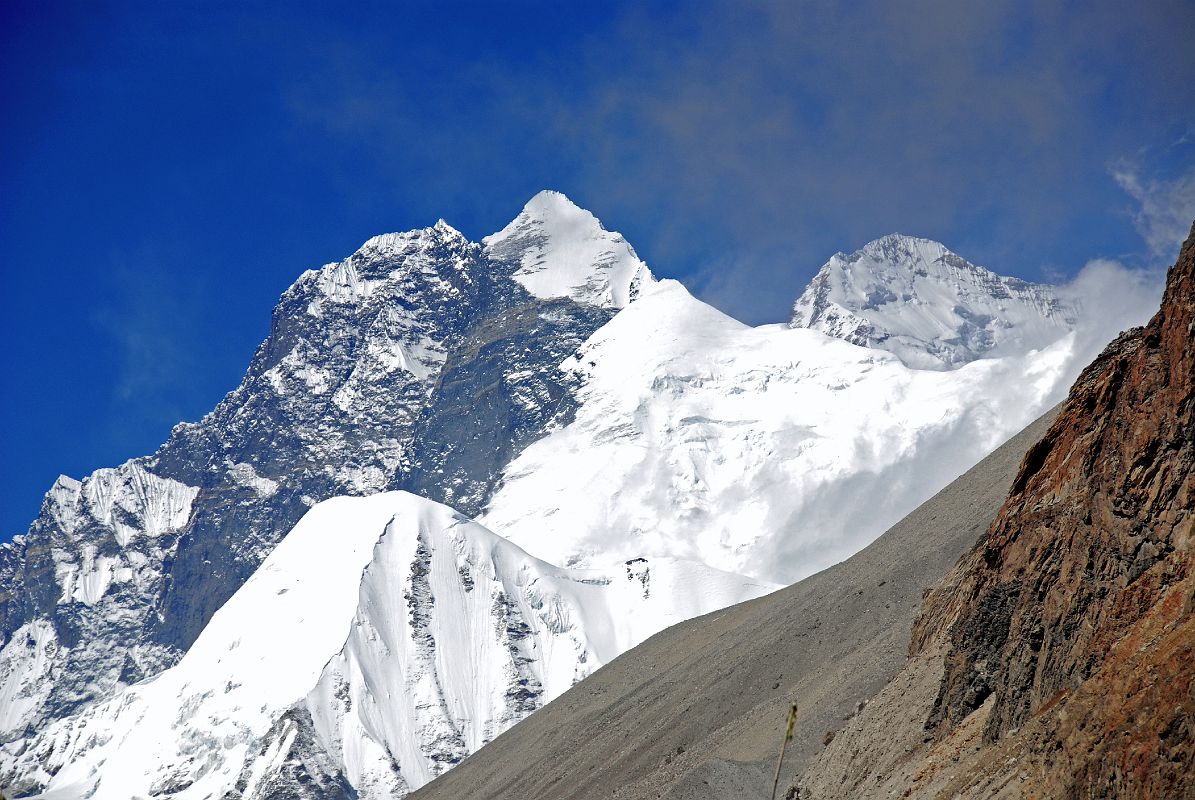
{"x":788,"y":737}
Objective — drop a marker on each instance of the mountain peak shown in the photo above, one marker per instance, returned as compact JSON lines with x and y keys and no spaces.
{"x":902,"y":246}
{"x":558,"y":249}
{"x":548,"y":203}
{"x":386,"y":242}
{"x":932,"y":308}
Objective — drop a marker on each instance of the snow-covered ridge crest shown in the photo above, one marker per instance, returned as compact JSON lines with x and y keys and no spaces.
{"x":929,"y":306}
{"x":560,"y":250}
{"x":383,"y":640}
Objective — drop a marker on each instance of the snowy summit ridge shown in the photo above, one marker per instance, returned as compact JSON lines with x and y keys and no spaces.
{"x":558,"y":249}
{"x":928,"y":305}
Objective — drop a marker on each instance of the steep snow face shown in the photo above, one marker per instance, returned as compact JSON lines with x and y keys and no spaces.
{"x":933,"y":309}
{"x":384,"y":639}
{"x":459,"y":635}
{"x":191,"y":728}
{"x":560,"y":250}
{"x":768,"y":451}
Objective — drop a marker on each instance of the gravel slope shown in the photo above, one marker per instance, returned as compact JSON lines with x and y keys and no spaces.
{"x":697,"y":711}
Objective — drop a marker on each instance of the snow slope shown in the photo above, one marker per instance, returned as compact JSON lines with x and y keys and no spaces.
{"x":932,"y":308}
{"x":769,"y":451}
{"x":401,"y":634}
{"x":560,"y":250}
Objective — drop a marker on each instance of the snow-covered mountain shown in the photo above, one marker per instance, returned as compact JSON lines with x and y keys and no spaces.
{"x":932,"y":308}
{"x":545,"y":383}
{"x":770,"y":451}
{"x":381,"y":642}
{"x":560,"y":250}
{"x":370,"y":366}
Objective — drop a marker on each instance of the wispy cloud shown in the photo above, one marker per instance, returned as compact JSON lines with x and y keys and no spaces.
{"x":1165,"y":210}
{"x":1113,"y":297}
{"x":151,"y":326}
{"x":728,"y":138}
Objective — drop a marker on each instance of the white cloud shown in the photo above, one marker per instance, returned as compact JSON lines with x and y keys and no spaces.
{"x":1166,"y":207}
{"x":1113,"y":298}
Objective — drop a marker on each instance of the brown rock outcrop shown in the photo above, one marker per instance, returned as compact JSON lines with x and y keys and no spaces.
{"x":1074,"y":613}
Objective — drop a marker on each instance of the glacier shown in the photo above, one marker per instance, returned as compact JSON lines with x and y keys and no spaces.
{"x":771,"y":451}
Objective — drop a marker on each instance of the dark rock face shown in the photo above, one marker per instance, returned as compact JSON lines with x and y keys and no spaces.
{"x":307,"y":773}
{"x":328,"y":406}
{"x":498,"y":392}
{"x":416,"y":363}
{"x":1075,"y":611}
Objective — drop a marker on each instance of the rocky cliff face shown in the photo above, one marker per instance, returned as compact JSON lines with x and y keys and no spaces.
{"x":1065,"y":640}
{"x":1086,"y":574}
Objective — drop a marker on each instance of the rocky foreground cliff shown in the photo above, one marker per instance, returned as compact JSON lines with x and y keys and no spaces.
{"x":1057,"y":659}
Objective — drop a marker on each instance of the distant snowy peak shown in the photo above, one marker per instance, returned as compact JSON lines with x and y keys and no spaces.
{"x":930,"y":307}
{"x":557,"y":249}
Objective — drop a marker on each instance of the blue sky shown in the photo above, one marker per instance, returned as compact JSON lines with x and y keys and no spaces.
{"x":168,"y":169}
